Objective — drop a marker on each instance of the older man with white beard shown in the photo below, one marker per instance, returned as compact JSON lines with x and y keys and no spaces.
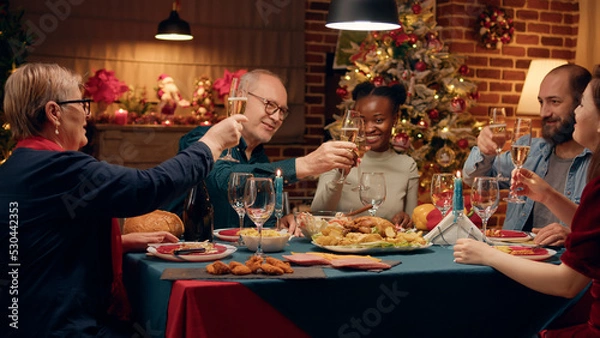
{"x":556,"y":157}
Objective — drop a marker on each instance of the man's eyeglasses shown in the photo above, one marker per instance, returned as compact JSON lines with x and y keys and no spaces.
{"x":272,"y":107}
{"x":86,"y":103}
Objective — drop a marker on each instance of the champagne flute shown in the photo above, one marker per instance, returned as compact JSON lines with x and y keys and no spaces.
{"x":519,"y":149}
{"x":259,"y":201}
{"x":352,"y":123}
{"x":498,"y":129}
{"x":236,"y":104}
{"x":485,"y":196}
{"x":442,"y":192}
{"x":361,"y":148}
{"x":235,"y":195}
{"x":372,"y":190}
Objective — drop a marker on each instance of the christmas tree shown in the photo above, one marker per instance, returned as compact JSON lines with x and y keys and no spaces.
{"x":434,"y":126}
{"x":13,"y":51}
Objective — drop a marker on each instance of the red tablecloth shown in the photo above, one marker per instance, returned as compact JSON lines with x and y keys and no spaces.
{"x":198,"y":309}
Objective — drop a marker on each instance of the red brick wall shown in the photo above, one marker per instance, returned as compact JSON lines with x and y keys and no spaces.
{"x":543,"y":29}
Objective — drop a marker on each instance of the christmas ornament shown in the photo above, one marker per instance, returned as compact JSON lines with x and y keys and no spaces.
{"x":413,"y":38}
{"x":433,"y":114}
{"x":342,"y":92}
{"x":458,"y":105}
{"x":378,"y":81}
{"x":462,"y":143}
{"x":401,"y":142}
{"x":445,"y":156}
{"x":463,"y":70}
{"x":421,"y":66}
{"x":416,"y":8}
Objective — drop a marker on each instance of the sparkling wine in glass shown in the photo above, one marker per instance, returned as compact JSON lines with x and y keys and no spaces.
{"x":372,"y":190}
{"x":519,"y":149}
{"x":442,"y":192}
{"x":352,"y":128}
{"x":259,"y":201}
{"x":236,"y":104}
{"x":485,"y":196}
{"x":498,"y":129}
{"x":235,"y":194}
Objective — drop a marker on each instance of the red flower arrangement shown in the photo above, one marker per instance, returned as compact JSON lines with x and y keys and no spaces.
{"x":104,"y":87}
{"x":495,"y":27}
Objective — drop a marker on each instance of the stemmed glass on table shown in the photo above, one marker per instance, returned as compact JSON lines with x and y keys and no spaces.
{"x":519,"y":149}
{"x":498,"y":129}
{"x":235,"y":195}
{"x":485,"y":196}
{"x":442,"y":191}
{"x":236,"y":104}
{"x":372,"y":190}
{"x":259,"y":201}
{"x":353,"y":130}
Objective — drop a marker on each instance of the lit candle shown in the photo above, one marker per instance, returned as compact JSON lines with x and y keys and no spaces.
{"x":278,"y":190}
{"x":458,"y":206}
{"x":121,"y":117}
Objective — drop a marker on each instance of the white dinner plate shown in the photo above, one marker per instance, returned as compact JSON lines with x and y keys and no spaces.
{"x":224,"y":250}
{"x":370,"y":248}
{"x":225,"y":234}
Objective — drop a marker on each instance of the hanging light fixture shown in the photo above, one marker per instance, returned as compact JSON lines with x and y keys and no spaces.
{"x":363,"y":15}
{"x":173,"y":28}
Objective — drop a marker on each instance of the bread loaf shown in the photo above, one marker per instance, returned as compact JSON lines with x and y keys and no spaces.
{"x":158,"y":220}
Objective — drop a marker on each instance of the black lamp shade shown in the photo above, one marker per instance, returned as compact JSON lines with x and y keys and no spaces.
{"x":174,"y":29}
{"x":363,"y":15}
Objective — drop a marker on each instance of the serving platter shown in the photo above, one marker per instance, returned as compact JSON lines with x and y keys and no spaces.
{"x":371,"y":248}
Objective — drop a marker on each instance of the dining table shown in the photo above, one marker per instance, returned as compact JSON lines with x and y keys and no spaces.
{"x":425,"y":294}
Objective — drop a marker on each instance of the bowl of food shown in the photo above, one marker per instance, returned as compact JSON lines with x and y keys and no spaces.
{"x":311,"y":223}
{"x":272,"y":240}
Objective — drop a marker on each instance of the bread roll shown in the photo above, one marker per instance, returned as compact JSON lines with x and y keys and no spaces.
{"x":158,"y":220}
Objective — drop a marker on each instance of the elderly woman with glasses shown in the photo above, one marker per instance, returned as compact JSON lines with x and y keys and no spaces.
{"x":266,"y":111}
{"x":59,"y":207}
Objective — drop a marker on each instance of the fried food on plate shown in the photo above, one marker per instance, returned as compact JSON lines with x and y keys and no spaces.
{"x":271,"y":269}
{"x":285,"y":266}
{"x":218,"y":268}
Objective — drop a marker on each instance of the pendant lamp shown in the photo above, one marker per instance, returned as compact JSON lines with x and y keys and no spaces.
{"x":363,"y":15}
{"x":173,"y":28}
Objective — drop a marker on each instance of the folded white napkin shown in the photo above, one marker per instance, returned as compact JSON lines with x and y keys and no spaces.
{"x":448,"y":231}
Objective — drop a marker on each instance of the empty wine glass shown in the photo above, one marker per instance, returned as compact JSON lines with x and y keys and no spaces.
{"x":485,"y":196}
{"x":352,"y":127}
{"x":372,"y":190}
{"x":259,"y":201}
{"x":236,"y":104}
{"x":498,"y":129}
{"x":519,"y":149}
{"x":442,"y":191}
{"x":235,"y":195}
